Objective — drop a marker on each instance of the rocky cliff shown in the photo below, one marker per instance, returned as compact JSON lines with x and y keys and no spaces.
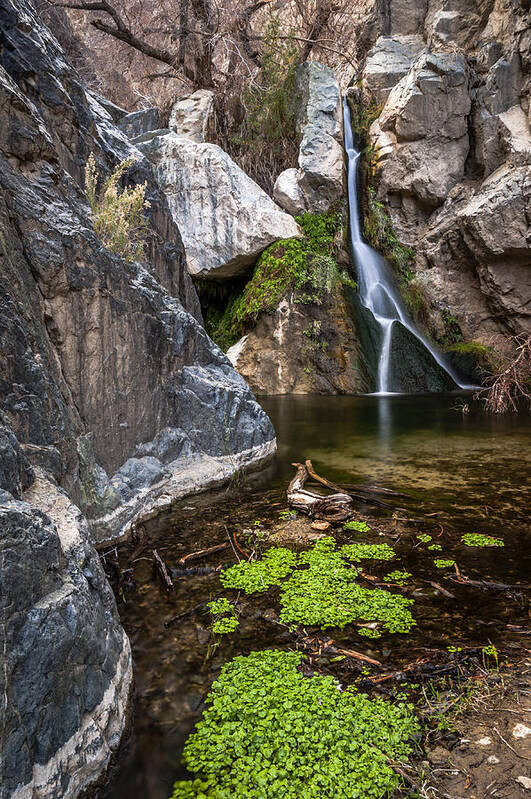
{"x":114,"y":401}
{"x":452,"y":155}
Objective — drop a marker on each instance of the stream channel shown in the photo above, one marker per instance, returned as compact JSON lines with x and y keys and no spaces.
{"x":469,"y":469}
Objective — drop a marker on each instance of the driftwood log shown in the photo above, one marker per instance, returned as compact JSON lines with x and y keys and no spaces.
{"x":332,"y":508}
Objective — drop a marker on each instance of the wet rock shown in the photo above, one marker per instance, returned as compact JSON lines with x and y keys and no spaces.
{"x":321,"y":157}
{"x":193,"y":116}
{"x":139,"y":122}
{"x":237,"y":220}
{"x":303,"y":349}
{"x":135,"y":475}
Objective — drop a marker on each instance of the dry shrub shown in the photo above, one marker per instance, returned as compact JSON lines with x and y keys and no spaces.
{"x":117,"y":214}
{"x":510,"y":388}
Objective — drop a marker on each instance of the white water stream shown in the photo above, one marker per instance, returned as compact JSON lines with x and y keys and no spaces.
{"x":376,"y":290}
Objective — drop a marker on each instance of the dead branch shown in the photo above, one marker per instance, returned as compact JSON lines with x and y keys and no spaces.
{"x":202,"y":553}
{"x":512,"y":385}
{"x":162,"y":571}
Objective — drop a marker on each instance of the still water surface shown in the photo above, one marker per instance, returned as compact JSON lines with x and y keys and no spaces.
{"x":471,"y":469}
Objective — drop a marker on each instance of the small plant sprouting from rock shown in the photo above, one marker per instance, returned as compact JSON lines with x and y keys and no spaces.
{"x":269,"y":731}
{"x":479,"y":540}
{"x":117,"y":214}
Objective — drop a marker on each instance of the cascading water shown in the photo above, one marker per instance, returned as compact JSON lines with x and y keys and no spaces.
{"x":376,"y":290}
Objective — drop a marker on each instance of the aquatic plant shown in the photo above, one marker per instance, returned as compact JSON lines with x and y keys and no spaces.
{"x":444,"y":564}
{"x":321,"y":588}
{"x":218,"y":607}
{"x":479,"y":540}
{"x":326,"y":595}
{"x":224,"y":613}
{"x":359,"y":527}
{"x":225,"y":625}
{"x":357,"y":552}
{"x":270,"y":732}
{"x":258,"y":576}
{"x":369,"y":633}
{"x":398,"y":577}
{"x":435,"y":547}
{"x":117,"y":214}
{"x":424,"y":538}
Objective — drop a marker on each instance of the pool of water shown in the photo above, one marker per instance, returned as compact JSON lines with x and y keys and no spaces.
{"x":462,"y":472}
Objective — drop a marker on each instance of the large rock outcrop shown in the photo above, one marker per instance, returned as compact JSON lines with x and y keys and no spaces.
{"x":226,"y":220}
{"x":67,"y":673}
{"x":304,"y":349}
{"x":91,"y":343}
{"x":453,"y":149}
{"x":113,"y":402}
{"x":318,"y":184}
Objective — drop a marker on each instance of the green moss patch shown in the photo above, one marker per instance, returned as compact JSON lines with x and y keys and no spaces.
{"x":271,"y":733}
{"x":305,"y":266}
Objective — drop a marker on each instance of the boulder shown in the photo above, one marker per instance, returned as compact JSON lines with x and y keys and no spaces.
{"x":388,"y":61}
{"x":225,"y":219}
{"x":193,"y":116}
{"x":321,"y":157}
{"x":67,"y":671}
{"x":287,"y":192}
{"x":138,"y":122}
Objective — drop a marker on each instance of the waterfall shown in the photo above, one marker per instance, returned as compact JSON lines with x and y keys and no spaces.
{"x":377,"y":292}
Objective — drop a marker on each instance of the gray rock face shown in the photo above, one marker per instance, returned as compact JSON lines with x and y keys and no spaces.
{"x":92,"y":344}
{"x":98,"y":359}
{"x":193,"y":116}
{"x":454,"y":150}
{"x":15,"y":472}
{"x":321,"y":157}
{"x":138,"y":122}
{"x":389,"y":61}
{"x":236,"y":220}
{"x":66,"y":675}
{"x":421,"y":136}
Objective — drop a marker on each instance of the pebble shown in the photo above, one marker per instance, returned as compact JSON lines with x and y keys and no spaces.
{"x":525,"y":781}
{"x":322,"y":526}
{"x":521,"y":731}
{"x":486,"y":741}
{"x":492,"y":760}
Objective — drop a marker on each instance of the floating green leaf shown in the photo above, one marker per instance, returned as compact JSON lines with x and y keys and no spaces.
{"x":479,"y":540}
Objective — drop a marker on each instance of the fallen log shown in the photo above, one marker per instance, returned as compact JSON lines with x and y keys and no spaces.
{"x":162,"y":571}
{"x":332,"y":508}
{"x":202,"y":553}
{"x":333,"y":487}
